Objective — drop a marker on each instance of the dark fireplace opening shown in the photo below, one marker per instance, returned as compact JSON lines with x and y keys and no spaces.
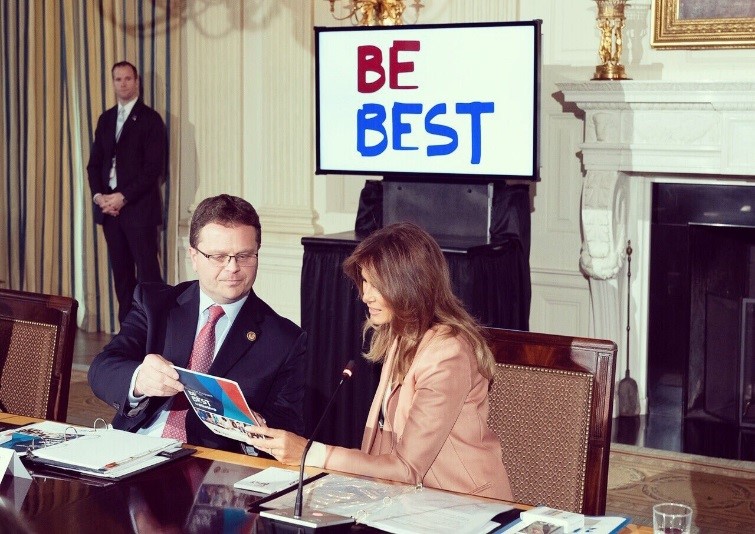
{"x":701,"y":350}
{"x":721,"y":271}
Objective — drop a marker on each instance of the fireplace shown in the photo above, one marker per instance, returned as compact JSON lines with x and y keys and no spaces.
{"x":702,"y":289}
{"x":639,"y":137}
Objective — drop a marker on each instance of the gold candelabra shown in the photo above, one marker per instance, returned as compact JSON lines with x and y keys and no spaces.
{"x":610,"y":22}
{"x":375,"y":12}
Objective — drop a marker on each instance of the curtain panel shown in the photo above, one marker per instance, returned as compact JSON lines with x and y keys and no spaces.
{"x":55,"y":60}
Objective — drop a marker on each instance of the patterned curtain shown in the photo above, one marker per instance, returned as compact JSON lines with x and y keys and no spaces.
{"x":55,"y":61}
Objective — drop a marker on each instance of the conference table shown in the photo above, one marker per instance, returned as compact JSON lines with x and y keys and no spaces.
{"x":191,"y":494}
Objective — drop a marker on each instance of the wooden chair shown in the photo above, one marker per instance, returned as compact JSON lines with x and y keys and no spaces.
{"x":551,"y":405}
{"x":36,"y":353}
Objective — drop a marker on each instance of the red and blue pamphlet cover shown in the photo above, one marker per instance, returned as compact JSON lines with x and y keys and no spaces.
{"x":220,"y":404}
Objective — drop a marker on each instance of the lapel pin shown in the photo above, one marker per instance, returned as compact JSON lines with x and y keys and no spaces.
{"x":251,"y":336}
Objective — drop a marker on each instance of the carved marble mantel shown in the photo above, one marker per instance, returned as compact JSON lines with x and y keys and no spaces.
{"x":638,"y":132}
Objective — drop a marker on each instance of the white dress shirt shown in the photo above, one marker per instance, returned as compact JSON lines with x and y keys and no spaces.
{"x":156,"y":426}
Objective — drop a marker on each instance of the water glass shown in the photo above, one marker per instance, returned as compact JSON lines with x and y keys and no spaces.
{"x":672,"y":518}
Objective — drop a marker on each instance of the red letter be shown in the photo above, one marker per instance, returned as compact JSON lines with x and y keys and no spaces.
{"x":369,"y":59}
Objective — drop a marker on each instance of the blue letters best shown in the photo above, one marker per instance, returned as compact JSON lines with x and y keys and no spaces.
{"x":371,"y":117}
{"x":474,"y":109}
{"x":440,"y":130}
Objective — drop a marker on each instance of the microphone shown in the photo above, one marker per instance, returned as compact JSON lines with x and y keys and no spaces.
{"x":315,"y":518}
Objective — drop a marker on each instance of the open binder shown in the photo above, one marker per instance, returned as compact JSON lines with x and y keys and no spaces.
{"x":107,"y":453}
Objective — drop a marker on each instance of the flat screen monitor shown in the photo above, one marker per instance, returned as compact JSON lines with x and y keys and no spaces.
{"x":459,"y":101}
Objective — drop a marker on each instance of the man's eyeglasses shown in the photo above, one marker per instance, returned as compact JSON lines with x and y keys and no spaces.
{"x":245,"y":259}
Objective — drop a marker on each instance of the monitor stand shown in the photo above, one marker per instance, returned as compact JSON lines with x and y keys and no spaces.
{"x":445,"y":210}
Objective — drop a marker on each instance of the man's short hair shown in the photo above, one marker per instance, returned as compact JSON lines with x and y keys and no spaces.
{"x":226,"y":210}
{"x":124,"y":64}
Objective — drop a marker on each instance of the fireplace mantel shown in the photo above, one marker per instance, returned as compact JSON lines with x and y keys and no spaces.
{"x":690,"y":128}
{"x":637,"y":132}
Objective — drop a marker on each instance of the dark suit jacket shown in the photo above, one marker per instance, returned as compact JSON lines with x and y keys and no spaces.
{"x":269,"y":370}
{"x":140,"y":163}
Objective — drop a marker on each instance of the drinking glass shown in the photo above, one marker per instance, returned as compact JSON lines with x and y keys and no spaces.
{"x":672,"y":518}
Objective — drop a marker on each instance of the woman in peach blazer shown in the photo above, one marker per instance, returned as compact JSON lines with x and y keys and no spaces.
{"x":428,"y":420}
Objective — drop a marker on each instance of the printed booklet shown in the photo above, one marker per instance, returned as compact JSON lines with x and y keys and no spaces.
{"x":220,"y":405}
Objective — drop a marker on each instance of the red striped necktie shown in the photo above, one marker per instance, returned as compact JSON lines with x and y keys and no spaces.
{"x":200,"y":361}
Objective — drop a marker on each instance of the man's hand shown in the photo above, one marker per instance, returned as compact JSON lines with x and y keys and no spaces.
{"x":111,"y":204}
{"x":157,"y":378}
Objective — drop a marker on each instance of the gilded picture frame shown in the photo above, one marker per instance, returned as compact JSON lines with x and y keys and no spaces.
{"x":703,"y":24}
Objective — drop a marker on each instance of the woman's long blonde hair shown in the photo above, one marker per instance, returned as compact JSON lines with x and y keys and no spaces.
{"x":407,"y":267}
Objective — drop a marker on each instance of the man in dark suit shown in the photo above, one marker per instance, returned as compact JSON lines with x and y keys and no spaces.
{"x":125,"y":166}
{"x":252,"y":345}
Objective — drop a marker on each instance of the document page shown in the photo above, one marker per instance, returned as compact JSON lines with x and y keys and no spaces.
{"x":396,"y":508}
{"x":429,"y":510}
{"x":342,"y":495}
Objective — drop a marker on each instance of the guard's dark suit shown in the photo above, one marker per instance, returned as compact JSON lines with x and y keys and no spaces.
{"x":132,"y":236}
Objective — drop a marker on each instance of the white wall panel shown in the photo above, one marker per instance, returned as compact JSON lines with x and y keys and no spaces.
{"x":569,"y":33}
{"x":560,"y":303}
{"x":212,"y":126}
{"x":279,"y":117}
{"x":556,"y":235}
{"x":279,"y":279}
{"x":444,"y":12}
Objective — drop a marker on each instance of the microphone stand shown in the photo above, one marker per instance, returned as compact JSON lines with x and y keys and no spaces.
{"x":300,"y":487}
{"x":319,"y":518}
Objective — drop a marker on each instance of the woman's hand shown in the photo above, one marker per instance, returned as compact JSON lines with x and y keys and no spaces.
{"x":285,"y":446}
